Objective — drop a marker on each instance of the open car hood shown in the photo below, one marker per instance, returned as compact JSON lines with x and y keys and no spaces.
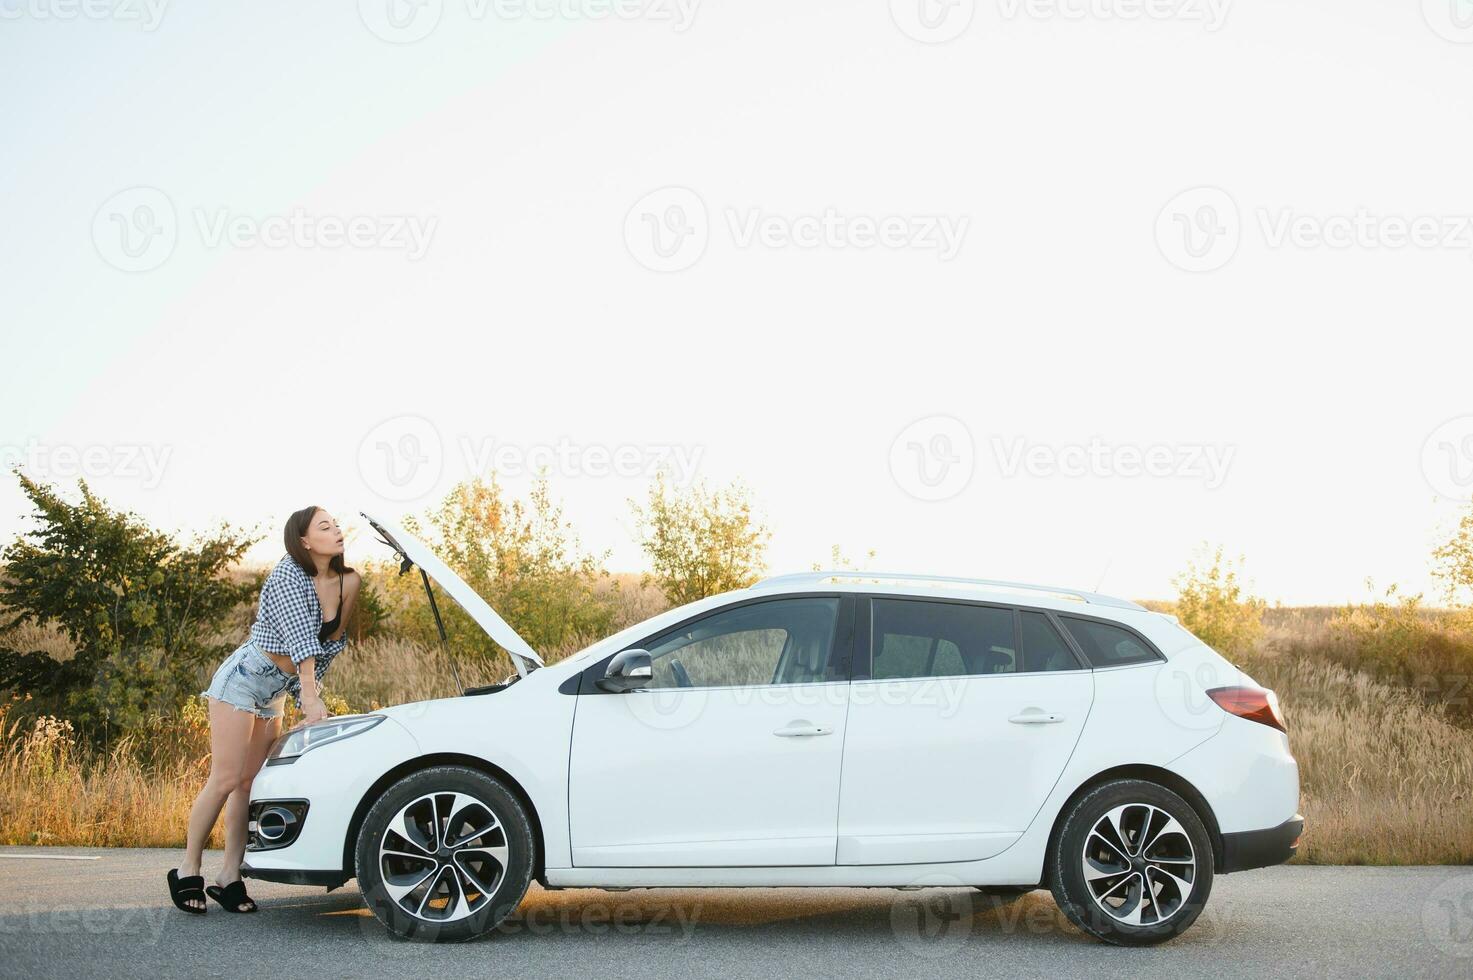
{"x":413,"y":553}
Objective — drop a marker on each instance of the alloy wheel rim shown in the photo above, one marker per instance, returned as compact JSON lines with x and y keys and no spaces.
{"x":443,"y":856}
{"x":1139,"y":864}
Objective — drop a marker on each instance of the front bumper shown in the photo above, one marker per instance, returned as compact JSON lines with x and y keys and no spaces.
{"x":1261,"y":848}
{"x":325,"y":786}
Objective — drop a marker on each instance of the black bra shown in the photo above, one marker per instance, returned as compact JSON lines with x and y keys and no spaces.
{"x":331,"y":626}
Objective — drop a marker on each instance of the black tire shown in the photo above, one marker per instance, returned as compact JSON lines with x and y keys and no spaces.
{"x":479,"y":913}
{"x":1164,"y":914}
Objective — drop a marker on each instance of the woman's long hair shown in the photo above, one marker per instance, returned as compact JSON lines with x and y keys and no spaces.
{"x":296,"y":530}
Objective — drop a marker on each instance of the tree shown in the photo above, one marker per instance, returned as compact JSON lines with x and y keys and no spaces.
{"x":1453,"y":560}
{"x":522,"y":558}
{"x":141,"y":609}
{"x":701,"y":542}
{"x":1214,"y":604}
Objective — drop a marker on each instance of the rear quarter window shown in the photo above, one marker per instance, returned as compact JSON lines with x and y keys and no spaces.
{"x":1108,"y":646}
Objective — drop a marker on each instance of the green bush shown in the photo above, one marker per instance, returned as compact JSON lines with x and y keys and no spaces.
{"x":142,"y":610}
{"x":701,"y":542}
{"x":522,"y":558}
{"x":1213,"y":603}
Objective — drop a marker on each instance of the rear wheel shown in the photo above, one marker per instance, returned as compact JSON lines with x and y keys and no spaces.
{"x":1132,"y":863}
{"x":444,"y":855}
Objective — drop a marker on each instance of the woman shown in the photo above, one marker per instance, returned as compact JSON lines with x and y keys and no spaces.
{"x":291,"y":644}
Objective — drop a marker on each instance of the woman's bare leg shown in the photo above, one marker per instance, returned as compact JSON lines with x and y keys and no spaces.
{"x":238,"y":807}
{"x":230,"y":736}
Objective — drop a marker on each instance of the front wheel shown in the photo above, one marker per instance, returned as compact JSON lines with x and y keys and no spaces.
{"x":1132,"y":863}
{"x":444,"y":855}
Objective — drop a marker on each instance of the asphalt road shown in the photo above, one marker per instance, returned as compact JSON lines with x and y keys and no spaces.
{"x":109,"y":915}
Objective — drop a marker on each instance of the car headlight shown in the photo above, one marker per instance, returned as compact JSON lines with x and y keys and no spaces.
{"x":289,"y":746}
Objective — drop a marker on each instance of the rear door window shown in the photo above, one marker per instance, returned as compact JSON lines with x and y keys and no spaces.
{"x":938,"y":639}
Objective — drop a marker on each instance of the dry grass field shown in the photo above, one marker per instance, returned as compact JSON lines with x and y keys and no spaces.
{"x":1386,"y":763}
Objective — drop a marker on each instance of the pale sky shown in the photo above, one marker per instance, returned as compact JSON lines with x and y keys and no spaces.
{"x":1023,"y":289}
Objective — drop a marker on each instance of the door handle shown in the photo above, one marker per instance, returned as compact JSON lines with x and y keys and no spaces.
{"x":1035,"y":717}
{"x":803,"y":729}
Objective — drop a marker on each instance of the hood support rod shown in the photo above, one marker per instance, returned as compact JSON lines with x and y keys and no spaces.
{"x":440,"y":627}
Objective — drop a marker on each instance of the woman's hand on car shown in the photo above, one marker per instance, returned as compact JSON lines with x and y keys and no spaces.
{"x":313,"y":711}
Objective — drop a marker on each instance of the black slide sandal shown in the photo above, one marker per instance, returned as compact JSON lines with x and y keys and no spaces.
{"x":232,"y":897}
{"x":182,"y":890}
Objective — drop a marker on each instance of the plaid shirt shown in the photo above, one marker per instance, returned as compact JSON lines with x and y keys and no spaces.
{"x":289,"y":619}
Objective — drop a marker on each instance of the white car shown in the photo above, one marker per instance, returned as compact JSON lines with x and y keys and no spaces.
{"x":827,"y":729}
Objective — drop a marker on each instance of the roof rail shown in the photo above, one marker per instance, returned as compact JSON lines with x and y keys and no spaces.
{"x":901,"y":578}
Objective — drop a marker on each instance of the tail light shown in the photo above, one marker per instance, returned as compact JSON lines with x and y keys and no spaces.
{"x":1252,"y":703}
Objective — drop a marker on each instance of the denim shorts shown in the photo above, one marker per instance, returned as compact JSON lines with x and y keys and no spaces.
{"x":248,"y":680}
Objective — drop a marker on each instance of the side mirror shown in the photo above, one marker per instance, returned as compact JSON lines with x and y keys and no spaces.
{"x":628,"y":670}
